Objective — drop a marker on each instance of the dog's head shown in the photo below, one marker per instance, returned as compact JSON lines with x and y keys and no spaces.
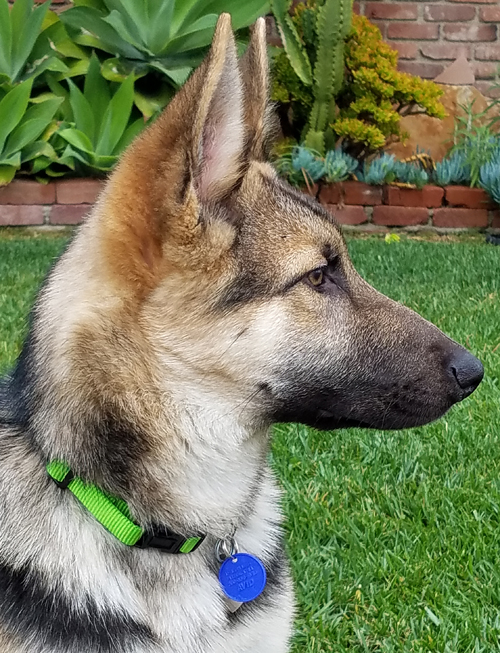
{"x":244,"y":285}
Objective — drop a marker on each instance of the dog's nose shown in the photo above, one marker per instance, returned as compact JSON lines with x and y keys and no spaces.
{"x":467,"y":370}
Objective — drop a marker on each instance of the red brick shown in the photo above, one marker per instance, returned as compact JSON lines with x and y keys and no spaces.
{"x":68,"y":213}
{"x":444,"y":13}
{"x":477,"y":2}
{"x":356,"y":8}
{"x":400,"y":216}
{"x":457,"y":32}
{"x":426,"y":70}
{"x":356,"y":192}
{"x":470,"y":198}
{"x":414,"y":31}
{"x":488,"y":52}
{"x":484,"y":70}
{"x":440,"y":51}
{"x":18,"y":214}
{"x":78,"y":191}
{"x":495,"y":223}
{"x":351,"y":192}
{"x":348,"y":214}
{"x":406,"y":49}
{"x":429,"y":196}
{"x":385,"y":10}
{"x":467,"y":218}
{"x":490,"y":14}
{"x":21,"y":191}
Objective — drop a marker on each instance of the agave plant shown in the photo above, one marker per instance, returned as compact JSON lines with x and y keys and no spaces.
{"x":21,"y":129}
{"x":20,"y":28}
{"x":164,"y":35}
{"x":97,"y":125}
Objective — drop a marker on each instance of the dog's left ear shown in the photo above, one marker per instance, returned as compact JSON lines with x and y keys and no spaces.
{"x":217,"y":155}
{"x":255,"y":74}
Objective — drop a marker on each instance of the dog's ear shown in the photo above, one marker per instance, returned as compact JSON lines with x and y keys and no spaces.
{"x":195,"y":152}
{"x":255,"y":74}
{"x":218,"y":136}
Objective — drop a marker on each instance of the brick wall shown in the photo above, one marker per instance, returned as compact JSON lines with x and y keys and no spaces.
{"x":429,"y":35}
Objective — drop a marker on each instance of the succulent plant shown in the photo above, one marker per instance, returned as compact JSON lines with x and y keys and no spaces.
{"x":338,"y":166}
{"x":379,"y":171}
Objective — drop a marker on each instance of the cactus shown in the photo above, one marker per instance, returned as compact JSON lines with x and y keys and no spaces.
{"x":291,"y":40}
{"x":328,"y":33}
{"x":332,"y":27}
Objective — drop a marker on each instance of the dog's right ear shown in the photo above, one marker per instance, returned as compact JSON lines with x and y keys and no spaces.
{"x":194,"y":153}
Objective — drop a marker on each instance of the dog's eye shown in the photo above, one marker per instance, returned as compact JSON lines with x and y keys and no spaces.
{"x":316,"y":277}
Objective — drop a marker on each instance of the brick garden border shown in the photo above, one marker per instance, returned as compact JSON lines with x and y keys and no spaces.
{"x":66,"y":202}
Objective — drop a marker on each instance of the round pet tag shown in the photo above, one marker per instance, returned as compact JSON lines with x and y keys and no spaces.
{"x":242,"y":577}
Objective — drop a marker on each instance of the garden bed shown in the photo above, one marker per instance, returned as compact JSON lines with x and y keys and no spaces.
{"x":68,"y":201}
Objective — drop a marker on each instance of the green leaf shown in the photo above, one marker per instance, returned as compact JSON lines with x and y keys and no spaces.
{"x":77,"y":139}
{"x":12,"y":160}
{"x":117,"y":70}
{"x":196,"y":35}
{"x":104,"y":163}
{"x":90,"y":20}
{"x":7,"y":174}
{"x":46,"y":63}
{"x":34,"y":122}
{"x":5,"y":39}
{"x":116,"y":118}
{"x":177,"y":75}
{"x":12,"y":108}
{"x":96,"y":92}
{"x":129,"y":134}
{"x":82,"y":111}
{"x":26,"y":26}
{"x":36,"y":149}
{"x":291,"y":41}
{"x":125,"y":29}
{"x":161,"y":26}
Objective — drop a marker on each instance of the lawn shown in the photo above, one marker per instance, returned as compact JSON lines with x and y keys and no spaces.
{"x":394,"y":537}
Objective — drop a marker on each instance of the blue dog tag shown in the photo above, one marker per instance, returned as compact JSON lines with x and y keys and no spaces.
{"x":242,"y":577}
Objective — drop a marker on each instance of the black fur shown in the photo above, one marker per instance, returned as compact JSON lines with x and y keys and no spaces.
{"x":32,"y":609}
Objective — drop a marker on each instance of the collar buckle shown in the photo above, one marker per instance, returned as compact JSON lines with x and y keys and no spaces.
{"x":159,"y":537}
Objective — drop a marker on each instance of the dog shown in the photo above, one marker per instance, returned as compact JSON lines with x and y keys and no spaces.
{"x":202,"y":300}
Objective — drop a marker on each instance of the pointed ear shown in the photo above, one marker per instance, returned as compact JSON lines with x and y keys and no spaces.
{"x":218,"y":139}
{"x":255,"y":74}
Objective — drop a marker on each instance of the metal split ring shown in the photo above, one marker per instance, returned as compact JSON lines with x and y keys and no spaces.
{"x":226,"y":548}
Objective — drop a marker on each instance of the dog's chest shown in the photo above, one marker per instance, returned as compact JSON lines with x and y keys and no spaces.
{"x":185,"y":605}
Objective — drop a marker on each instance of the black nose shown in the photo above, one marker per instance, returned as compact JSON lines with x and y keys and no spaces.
{"x":467,"y":370}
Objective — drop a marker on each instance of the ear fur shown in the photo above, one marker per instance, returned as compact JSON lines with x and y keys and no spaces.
{"x":194,"y":153}
{"x":219,"y":132}
{"x":255,"y":74}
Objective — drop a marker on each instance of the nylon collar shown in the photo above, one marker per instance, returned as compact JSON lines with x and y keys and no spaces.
{"x":114,"y":514}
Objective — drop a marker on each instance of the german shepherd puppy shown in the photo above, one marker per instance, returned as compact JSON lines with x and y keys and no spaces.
{"x":202,"y":300}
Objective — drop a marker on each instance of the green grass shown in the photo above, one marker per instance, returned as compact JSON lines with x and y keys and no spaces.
{"x":394,"y":537}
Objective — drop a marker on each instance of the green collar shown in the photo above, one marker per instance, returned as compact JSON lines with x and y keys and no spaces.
{"x":114,"y":514}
